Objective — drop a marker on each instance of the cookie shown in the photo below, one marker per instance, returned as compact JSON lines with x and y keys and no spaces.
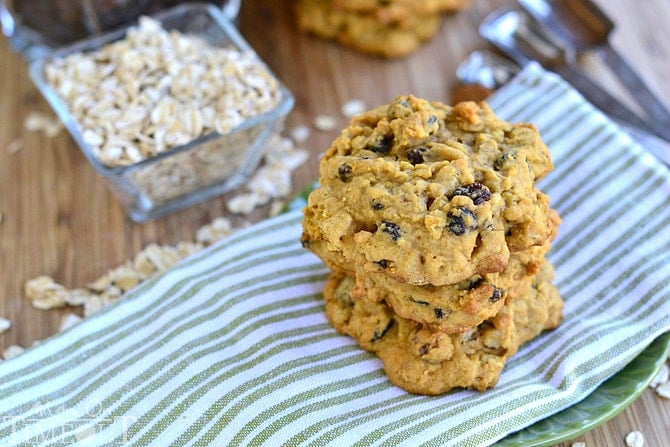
{"x":406,"y":6}
{"x":399,"y":11}
{"x":388,"y":37}
{"x":429,"y":194}
{"x":423,"y":360}
{"x":458,"y":307}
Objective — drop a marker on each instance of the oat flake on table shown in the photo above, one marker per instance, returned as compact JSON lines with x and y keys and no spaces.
{"x":353,"y":107}
{"x":635,"y":439}
{"x":5,"y":325}
{"x":12,"y":351}
{"x":271,"y":182}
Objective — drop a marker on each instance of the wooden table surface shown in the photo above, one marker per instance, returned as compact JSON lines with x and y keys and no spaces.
{"x":59,"y":219}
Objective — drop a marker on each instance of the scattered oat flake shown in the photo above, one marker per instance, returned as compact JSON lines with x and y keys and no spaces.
{"x":325,"y":123}
{"x":243,"y":203}
{"x":353,"y":107}
{"x":634,"y":439}
{"x":97,"y":303}
{"x":5,"y":324}
{"x":214,"y":231}
{"x":12,"y":351}
{"x":661,"y":377}
{"x":68,"y":320}
{"x":77,"y":297}
{"x":663,"y":390}
{"x":300,"y":133}
{"x":45,"y":293}
{"x":273,"y":179}
{"x":39,"y":122}
{"x":276,"y":207}
{"x":579,"y":444}
{"x":270,"y":184}
{"x":15,"y":146}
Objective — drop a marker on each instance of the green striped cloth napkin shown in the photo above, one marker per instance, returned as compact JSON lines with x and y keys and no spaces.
{"x":231,"y":347}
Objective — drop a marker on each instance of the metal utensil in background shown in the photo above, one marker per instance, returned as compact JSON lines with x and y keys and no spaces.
{"x":523,"y":40}
{"x":583,"y":27}
{"x":487,"y":69}
{"x":492,"y":71}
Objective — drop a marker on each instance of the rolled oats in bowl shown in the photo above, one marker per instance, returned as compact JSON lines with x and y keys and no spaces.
{"x":171,"y":111}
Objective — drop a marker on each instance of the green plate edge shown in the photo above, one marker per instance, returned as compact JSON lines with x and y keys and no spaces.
{"x":609,"y":399}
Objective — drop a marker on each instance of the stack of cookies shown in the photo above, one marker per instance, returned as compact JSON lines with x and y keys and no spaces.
{"x":436,"y":234}
{"x":391,"y":28}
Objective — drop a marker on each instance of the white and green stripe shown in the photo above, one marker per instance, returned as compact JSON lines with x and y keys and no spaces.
{"x":231,"y":347}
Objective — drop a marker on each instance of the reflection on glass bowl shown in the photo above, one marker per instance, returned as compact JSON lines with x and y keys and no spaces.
{"x":36,"y":27}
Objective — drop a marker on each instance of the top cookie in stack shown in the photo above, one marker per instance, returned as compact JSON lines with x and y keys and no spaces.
{"x":430,"y":218}
{"x":429,"y":194}
{"x":390,"y":28}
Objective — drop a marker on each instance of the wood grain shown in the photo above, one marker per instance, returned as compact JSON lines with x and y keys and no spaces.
{"x":59,"y":219}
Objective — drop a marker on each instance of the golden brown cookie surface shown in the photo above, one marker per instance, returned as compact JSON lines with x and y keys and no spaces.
{"x":383,"y":33}
{"x":457,"y":307}
{"x":408,"y":6}
{"x":429,"y":194}
{"x":431,"y":221}
{"x":423,"y":360}
{"x":399,"y":11}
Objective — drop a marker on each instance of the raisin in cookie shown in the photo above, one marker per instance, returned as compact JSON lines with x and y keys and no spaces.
{"x":429,"y":194}
{"x":390,"y":37}
{"x":422,"y":360}
{"x":458,"y":307}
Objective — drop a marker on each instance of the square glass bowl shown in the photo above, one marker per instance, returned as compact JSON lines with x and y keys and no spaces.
{"x":205,"y":167}
{"x":37,"y":27}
